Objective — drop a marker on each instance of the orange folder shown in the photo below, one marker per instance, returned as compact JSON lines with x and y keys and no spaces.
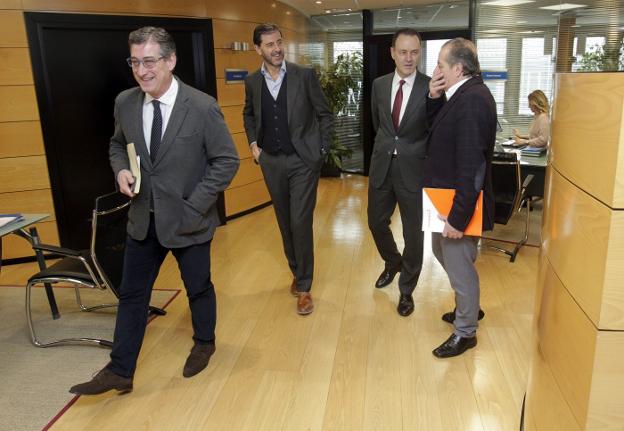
{"x":439,"y":202}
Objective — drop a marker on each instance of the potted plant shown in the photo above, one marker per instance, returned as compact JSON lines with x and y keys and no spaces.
{"x":336,"y":81}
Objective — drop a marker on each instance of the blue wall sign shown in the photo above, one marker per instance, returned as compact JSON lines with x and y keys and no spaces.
{"x":494,"y":75}
{"x":235,"y":76}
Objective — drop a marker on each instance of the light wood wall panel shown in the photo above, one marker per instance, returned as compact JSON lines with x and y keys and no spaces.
{"x":22,"y":138}
{"x":258,"y":12}
{"x":578,"y":228}
{"x":248,"y":172}
{"x":242,"y":146}
{"x":33,"y":201}
{"x":23,"y":173}
{"x":181,"y":8}
{"x":243,"y":198}
{"x":18,"y":103}
{"x":234,"y":118}
{"x":227,"y":31}
{"x":14,"y":246}
{"x":230,"y":94}
{"x":228,"y":59}
{"x":10,"y":4}
{"x":15,"y":67}
{"x":12,"y":29}
{"x":587,"y":135}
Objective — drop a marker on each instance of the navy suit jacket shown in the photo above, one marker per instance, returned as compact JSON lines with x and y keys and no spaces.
{"x":459,"y":150}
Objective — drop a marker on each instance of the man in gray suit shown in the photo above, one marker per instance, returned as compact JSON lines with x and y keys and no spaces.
{"x":288,"y":126}
{"x":396,"y":170}
{"x":187,"y":157}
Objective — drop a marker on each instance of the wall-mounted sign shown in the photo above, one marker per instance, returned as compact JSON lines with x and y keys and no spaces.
{"x":494,"y":75}
{"x":235,"y":76}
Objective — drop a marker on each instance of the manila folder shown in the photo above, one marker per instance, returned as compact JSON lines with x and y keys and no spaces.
{"x":135,"y":167}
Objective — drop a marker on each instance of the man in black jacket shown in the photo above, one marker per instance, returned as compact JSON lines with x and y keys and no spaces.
{"x":462,"y":113}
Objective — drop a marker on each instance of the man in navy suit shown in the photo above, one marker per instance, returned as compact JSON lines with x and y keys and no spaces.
{"x":462,"y":113}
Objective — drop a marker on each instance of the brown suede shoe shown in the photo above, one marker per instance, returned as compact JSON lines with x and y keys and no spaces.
{"x":304,"y":303}
{"x":198,"y":359}
{"x":293,"y":288}
{"x":104,"y":381}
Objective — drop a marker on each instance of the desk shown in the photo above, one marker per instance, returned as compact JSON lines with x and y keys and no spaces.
{"x":535,"y":166}
{"x":19,"y":228}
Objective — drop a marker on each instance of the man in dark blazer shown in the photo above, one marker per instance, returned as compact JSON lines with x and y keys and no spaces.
{"x":395,"y":176}
{"x":288,"y":126}
{"x":460,"y":146}
{"x":186,"y":157}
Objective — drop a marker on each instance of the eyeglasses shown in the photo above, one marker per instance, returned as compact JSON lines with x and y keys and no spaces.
{"x":148,"y":62}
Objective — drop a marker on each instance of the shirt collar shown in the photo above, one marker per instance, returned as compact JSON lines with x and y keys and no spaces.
{"x":409,"y":80}
{"x":169,"y":97}
{"x":266,"y":73}
{"x":455,"y":87}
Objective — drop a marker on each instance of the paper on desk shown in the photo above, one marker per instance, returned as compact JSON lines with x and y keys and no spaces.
{"x":10,"y":218}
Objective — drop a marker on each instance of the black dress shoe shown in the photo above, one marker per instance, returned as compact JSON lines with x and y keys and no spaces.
{"x":198,"y":359}
{"x":386,"y":277}
{"x":450,"y":316}
{"x":406,"y":305}
{"x":104,"y":381}
{"x":455,"y":345}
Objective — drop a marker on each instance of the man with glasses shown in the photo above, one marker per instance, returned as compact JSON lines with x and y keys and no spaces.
{"x":186,"y":158}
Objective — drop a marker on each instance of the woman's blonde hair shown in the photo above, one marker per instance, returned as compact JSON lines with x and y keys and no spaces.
{"x":540,"y":100}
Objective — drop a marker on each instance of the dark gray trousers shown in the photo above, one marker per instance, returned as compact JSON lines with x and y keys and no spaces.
{"x":292,"y":186}
{"x":457,"y":257}
{"x":381,"y":204}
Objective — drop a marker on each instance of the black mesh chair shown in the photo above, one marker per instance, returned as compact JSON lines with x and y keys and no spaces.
{"x":510,"y":196}
{"x":100,"y":267}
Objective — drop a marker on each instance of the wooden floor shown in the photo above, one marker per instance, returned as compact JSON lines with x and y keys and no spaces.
{"x":353,"y":364}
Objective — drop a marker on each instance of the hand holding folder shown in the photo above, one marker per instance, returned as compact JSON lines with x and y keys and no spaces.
{"x":438,"y":202}
{"x":135,"y":167}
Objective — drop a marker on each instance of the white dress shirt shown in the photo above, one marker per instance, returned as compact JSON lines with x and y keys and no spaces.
{"x":455,"y":87}
{"x":167,"y":101}
{"x":274,"y":85}
{"x":407,"y":90}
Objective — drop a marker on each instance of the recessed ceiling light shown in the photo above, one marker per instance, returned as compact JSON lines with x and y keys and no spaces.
{"x":563,"y":6}
{"x":508,"y":2}
{"x":327,"y":11}
{"x":319,"y":2}
{"x":287,"y":12}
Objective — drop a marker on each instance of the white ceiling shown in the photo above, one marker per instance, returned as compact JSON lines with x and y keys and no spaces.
{"x":310,"y":7}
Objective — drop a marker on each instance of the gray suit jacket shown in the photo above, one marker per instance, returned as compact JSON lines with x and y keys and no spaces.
{"x":410,"y":140}
{"x":196,"y":160}
{"x":309,"y":118}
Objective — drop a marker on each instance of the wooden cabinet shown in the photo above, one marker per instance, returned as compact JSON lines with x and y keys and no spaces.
{"x":577,"y":367}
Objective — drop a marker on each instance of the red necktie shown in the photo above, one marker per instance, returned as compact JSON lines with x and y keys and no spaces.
{"x":396,"y":107}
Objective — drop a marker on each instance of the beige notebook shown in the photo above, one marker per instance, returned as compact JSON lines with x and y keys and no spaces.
{"x":135,"y":167}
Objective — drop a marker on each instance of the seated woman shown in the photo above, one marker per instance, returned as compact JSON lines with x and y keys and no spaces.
{"x":539,"y":129}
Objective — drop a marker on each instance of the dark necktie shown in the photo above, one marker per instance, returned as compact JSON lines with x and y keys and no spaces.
{"x":396,"y":107}
{"x":156,"y":130}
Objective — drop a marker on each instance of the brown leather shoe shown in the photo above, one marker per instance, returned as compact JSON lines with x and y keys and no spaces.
{"x":293,"y":288}
{"x":198,"y":359}
{"x":104,"y":381}
{"x":304,"y":303}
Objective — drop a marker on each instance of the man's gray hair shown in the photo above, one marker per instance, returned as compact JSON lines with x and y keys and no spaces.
{"x":464,"y":52}
{"x":153,"y":34}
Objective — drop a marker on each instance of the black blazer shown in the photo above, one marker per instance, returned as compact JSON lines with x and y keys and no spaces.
{"x":409,"y":141}
{"x":459,"y":150}
{"x":310,"y":121}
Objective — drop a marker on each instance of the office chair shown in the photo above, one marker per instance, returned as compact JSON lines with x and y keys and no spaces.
{"x":100,"y":267}
{"x":509,"y":196}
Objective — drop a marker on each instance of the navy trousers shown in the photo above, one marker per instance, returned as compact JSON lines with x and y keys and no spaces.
{"x":141,"y":265}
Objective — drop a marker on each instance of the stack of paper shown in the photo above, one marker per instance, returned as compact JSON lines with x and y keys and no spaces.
{"x":9,"y":218}
{"x":533,"y":151}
